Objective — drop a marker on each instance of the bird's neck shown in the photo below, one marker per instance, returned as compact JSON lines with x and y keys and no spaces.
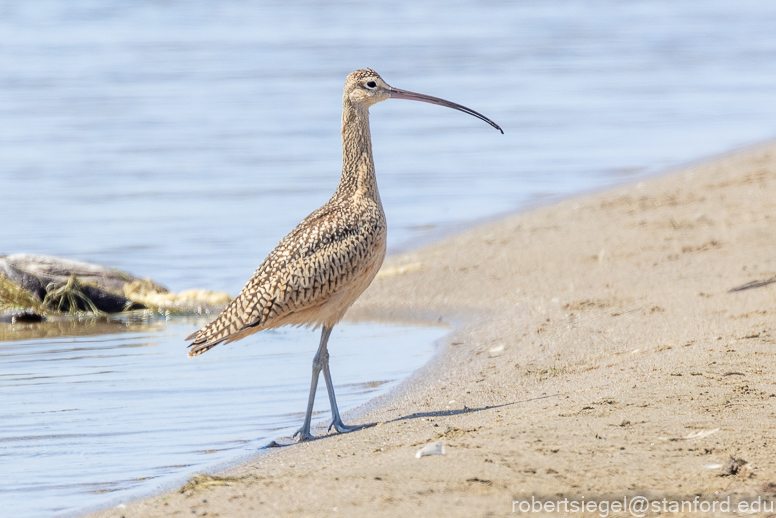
{"x":358,"y":168}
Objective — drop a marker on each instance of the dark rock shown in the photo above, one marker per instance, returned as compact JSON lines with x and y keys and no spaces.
{"x":77,"y":294}
{"x":108,"y":302}
{"x":43,"y":275}
{"x":56,"y":269}
{"x":22,"y":279}
{"x":20,"y":316}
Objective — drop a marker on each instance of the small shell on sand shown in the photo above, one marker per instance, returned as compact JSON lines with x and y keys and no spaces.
{"x":434,"y":448}
{"x":694,"y":435}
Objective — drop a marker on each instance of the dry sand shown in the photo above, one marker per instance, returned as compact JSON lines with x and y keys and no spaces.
{"x":598,"y":353}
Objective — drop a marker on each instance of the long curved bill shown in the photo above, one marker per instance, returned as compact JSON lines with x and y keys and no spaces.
{"x":412,"y":96}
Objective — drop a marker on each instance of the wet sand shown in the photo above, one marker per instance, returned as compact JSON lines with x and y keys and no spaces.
{"x":598,"y":352}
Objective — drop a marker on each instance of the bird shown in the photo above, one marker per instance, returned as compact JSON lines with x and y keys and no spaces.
{"x":321,"y":267}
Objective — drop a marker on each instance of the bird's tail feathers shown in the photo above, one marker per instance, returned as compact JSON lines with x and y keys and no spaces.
{"x":197,"y":349}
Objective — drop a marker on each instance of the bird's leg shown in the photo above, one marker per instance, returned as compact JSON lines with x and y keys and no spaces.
{"x":336,"y":421}
{"x":320,"y":361}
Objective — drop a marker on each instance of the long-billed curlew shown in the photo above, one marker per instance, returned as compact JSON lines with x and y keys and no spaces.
{"x":318,"y":270}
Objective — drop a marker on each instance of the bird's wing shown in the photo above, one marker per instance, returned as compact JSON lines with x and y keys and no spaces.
{"x":324,"y":254}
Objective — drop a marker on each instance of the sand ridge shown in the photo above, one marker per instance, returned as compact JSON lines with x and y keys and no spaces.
{"x":599,"y":353}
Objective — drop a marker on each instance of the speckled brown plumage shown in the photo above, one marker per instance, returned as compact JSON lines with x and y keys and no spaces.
{"x":318,"y":270}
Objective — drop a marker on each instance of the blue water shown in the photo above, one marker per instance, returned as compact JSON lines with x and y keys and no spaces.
{"x":91,"y":421}
{"x":183,"y":140}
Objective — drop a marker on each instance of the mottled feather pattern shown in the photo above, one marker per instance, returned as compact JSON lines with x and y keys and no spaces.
{"x":362,"y":75}
{"x":327,"y":252}
{"x":319,"y":269}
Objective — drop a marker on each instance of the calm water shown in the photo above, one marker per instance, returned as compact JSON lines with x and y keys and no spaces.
{"x":183,"y":140}
{"x":91,"y":421}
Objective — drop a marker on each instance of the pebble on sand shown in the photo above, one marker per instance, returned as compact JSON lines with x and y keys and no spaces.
{"x":434,"y":448}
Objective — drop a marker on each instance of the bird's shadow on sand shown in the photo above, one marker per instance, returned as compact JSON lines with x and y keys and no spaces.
{"x":282,"y":442}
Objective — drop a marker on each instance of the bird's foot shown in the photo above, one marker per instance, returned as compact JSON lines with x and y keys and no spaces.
{"x":304,"y":435}
{"x":341,"y":427}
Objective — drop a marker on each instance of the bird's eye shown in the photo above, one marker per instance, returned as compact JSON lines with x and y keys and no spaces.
{"x":371,"y":84}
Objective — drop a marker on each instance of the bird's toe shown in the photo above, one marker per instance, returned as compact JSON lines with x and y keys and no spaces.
{"x":342,"y":427}
{"x":304,"y":435}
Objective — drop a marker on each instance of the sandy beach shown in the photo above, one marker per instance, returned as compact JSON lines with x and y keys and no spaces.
{"x":597,"y":352}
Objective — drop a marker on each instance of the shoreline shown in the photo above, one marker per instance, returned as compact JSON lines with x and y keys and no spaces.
{"x":574,"y":320}
{"x":450,"y":231}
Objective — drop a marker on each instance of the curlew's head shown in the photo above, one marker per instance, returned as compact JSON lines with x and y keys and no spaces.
{"x":365,"y":87}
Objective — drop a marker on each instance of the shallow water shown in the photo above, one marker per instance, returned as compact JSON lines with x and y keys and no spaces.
{"x":91,"y":420}
{"x":182,"y":141}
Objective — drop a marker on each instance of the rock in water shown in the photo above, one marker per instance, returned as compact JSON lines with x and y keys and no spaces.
{"x":23,"y":280}
{"x":49,"y":268}
{"x":66,"y":285}
{"x":20,"y":316}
